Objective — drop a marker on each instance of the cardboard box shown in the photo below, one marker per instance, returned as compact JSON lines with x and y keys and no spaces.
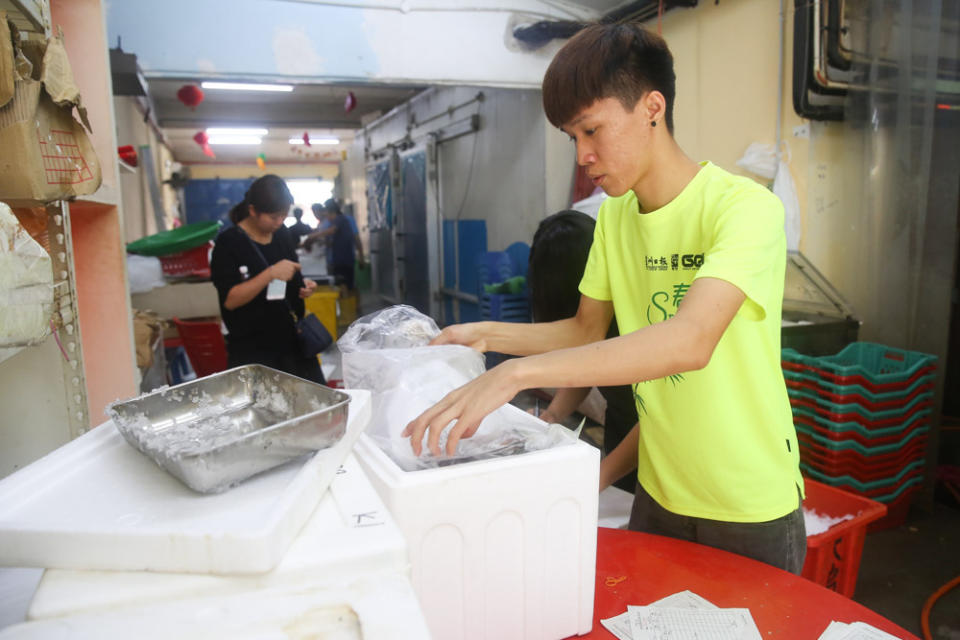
{"x":46,"y":154}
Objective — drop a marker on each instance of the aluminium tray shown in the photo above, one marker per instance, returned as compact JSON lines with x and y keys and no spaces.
{"x":216,"y":431}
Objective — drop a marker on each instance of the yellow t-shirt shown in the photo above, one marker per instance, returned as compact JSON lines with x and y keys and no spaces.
{"x":717,"y":443}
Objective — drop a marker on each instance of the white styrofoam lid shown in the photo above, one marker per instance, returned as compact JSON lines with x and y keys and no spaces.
{"x":98,"y":503}
{"x":350,"y":533}
{"x":377,"y":606}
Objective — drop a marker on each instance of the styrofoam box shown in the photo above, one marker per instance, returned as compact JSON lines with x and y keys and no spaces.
{"x":350,"y":534}
{"x":500,"y":548}
{"x":98,"y":503}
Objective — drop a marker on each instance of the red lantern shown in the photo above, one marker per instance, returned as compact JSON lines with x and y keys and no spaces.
{"x":190,"y":95}
{"x":128,"y":154}
{"x":350,"y":103}
{"x":203,"y":140}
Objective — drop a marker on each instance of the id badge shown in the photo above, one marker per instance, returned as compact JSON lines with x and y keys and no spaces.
{"x":276,"y":290}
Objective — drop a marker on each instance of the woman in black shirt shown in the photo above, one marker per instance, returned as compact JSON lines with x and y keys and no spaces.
{"x":255,"y":269}
{"x":558,"y":257}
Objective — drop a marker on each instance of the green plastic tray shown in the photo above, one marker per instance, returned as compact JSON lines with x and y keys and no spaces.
{"x":176,"y":240}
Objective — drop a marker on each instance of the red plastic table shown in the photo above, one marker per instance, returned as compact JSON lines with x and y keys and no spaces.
{"x":638,"y":568}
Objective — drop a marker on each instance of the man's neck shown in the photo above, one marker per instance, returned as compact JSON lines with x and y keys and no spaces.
{"x":668,"y":175}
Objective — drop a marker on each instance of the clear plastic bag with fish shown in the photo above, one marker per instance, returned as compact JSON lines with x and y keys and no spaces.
{"x":388,"y":353}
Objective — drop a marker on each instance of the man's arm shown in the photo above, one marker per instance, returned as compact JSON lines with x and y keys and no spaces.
{"x":683,"y":343}
{"x":622,"y":460}
{"x":521,"y":339}
{"x":565,"y":402}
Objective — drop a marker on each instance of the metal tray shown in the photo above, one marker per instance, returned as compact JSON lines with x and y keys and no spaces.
{"x":217,"y":431}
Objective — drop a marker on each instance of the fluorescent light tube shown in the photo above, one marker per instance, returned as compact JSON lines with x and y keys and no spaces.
{"x":236,"y":131}
{"x":251,"y":140}
{"x":246,"y":86}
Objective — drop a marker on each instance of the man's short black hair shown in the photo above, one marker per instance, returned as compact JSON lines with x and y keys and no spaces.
{"x":622,"y":61}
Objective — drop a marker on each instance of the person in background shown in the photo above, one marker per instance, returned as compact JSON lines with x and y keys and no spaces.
{"x":692,"y":260}
{"x":558,"y":256}
{"x":341,"y":245}
{"x":299,"y":228}
{"x":255,"y":270}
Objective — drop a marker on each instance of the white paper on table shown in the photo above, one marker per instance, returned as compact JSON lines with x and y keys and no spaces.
{"x":620,"y":625}
{"x":674,"y":623}
{"x":854,"y":631}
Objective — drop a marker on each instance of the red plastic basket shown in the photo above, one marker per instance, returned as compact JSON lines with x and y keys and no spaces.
{"x":192,"y":262}
{"x":824,"y":436}
{"x":855,"y":398}
{"x":204,"y":343}
{"x":833,"y":557}
{"x":899,"y":418}
{"x":897,"y":510}
{"x":873,"y":387}
{"x":861,"y":472}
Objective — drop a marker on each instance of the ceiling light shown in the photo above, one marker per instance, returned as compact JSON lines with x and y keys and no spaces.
{"x":236,"y":131}
{"x":226,"y":139}
{"x":315,"y":140}
{"x":246,"y":86}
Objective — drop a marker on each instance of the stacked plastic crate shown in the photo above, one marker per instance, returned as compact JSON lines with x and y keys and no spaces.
{"x":862,"y":419}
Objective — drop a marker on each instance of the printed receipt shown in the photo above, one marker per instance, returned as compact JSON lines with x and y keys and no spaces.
{"x":671,"y":623}
{"x":620,"y":625}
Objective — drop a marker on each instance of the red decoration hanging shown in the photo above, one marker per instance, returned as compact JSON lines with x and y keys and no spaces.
{"x":350,"y":103}
{"x":190,"y":95}
{"x":128,"y":154}
{"x":203,"y":140}
{"x":306,"y":139}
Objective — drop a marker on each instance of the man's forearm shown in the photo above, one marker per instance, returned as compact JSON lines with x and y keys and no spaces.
{"x":521,"y":339}
{"x":622,"y":460}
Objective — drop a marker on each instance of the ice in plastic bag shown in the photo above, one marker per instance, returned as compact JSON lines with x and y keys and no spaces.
{"x":387,"y":353}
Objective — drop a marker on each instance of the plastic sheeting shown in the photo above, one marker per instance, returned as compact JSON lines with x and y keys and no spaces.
{"x":387,"y":353}
{"x":26,"y":286}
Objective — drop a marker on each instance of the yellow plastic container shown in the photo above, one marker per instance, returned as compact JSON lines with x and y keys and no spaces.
{"x":323,"y":304}
{"x":348,"y":309}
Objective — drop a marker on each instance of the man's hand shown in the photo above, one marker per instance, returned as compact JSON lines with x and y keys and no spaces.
{"x":309,"y":287}
{"x":284,"y":270}
{"x":468,"y":335}
{"x":468,"y":405}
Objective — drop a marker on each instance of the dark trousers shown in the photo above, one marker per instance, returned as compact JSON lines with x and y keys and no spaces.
{"x":781,"y":542}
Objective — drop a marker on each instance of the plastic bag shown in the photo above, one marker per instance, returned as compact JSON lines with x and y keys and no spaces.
{"x":785,"y":189}
{"x":407,"y":380}
{"x":761,"y":159}
{"x":26,"y":285}
{"x":396,"y":327}
{"x":144,"y":273}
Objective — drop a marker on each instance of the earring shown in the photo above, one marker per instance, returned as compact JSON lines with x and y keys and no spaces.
{"x":653,"y":123}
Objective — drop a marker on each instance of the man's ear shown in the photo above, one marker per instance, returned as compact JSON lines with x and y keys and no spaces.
{"x":654,"y":106}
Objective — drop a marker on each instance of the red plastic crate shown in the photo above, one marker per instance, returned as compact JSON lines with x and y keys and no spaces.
{"x":833,"y":557}
{"x":842,"y":461}
{"x":826,"y":414}
{"x":904,"y":437}
{"x":855,"y":398}
{"x":859,"y":471}
{"x":873,"y":387}
{"x":192,"y":262}
{"x":897,"y":511}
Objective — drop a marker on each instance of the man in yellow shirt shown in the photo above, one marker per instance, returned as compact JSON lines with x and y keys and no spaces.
{"x":691,"y":259}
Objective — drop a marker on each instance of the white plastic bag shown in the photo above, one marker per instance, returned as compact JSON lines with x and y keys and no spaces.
{"x":408,"y":377}
{"x":785,"y":189}
{"x":761,"y":159}
{"x":26,"y":285}
{"x":144,"y":273}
